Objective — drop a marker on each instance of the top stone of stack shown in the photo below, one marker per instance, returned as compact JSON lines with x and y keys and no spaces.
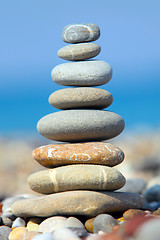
{"x":79,"y":33}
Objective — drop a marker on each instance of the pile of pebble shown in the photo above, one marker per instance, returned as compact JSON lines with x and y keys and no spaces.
{"x":80,"y":188}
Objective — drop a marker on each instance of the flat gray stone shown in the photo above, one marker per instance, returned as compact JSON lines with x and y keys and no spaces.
{"x":80,"y":125}
{"x":87,"y":203}
{"x":74,"y":177}
{"x":82,"y":73}
{"x":81,"y":97}
{"x":79,"y":51}
{"x":75,"y":33}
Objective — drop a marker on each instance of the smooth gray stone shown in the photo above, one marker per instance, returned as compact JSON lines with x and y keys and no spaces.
{"x":18,"y":222}
{"x":65,"y":234}
{"x":81,"y":97}
{"x":74,"y":223}
{"x":71,"y":203}
{"x":79,"y":51}
{"x":135,"y":185}
{"x":44,"y":236}
{"x":85,"y":73}
{"x":4,"y":232}
{"x":149,"y":230}
{"x":6,"y":221}
{"x":75,"y":33}
{"x":80,"y":125}
{"x":74,"y":177}
{"x":152,"y":194}
{"x":104,"y":223}
{"x":51,"y":224}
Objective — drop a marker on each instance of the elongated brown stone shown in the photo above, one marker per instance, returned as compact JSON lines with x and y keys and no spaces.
{"x":77,"y":153}
{"x":87,"y":203}
{"x":74,"y":177}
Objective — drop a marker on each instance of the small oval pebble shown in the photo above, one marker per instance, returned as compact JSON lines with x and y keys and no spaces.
{"x":81,"y":125}
{"x":77,"y":153}
{"x":85,"y":73}
{"x":17,"y":233}
{"x":51,"y":224}
{"x":74,"y":177}
{"x":152,"y":194}
{"x":79,"y":51}
{"x":44,"y":236}
{"x":74,"y":222}
{"x":64,"y":234}
{"x":135,"y":185}
{"x":6,"y":221}
{"x":104,"y":223}
{"x":89,"y":225}
{"x":132,"y":213}
{"x":18,"y":222}
{"x":33,"y":224}
{"x":82,"y":97}
{"x":4,"y":232}
{"x":75,"y":33}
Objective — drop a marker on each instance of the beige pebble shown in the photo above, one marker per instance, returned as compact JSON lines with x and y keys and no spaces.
{"x":74,"y":177}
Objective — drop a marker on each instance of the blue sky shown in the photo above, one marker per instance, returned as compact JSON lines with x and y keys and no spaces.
{"x":31,"y":37}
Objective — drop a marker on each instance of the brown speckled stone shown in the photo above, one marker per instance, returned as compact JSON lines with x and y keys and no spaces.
{"x":74,"y":177}
{"x":82,"y":202}
{"x":78,"y":153}
{"x":82,"y":97}
{"x":80,"y":51}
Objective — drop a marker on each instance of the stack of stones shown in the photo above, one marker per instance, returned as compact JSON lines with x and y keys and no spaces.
{"x":82,"y":180}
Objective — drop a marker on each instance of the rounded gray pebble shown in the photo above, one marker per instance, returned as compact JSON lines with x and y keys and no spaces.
{"x":79,"y":51}
{"x":81,"y":97}
{"x":76,"y":33}
{"x":64,"y":234}
{"x":4,"y":232}
{"x":18,"y":222}
{"x":80,"y":125}
{"x":44,"y":236}
{"x":82,"y":73}
{"x":6,"y":221}
{"x":104,"y":223}
{"x":152,"y":194}
{"x":135,"y":185}
{"x":74,"y":222}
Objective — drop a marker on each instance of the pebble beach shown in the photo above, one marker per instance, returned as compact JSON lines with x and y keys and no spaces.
{"x":81,"y":181}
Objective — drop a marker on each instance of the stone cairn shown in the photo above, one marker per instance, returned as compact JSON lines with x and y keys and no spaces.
{"x":81,"y":179}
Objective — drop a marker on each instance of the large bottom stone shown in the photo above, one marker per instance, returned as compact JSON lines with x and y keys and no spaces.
{"x":87,"y":203}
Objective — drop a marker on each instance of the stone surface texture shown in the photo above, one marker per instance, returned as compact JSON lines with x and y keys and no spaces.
{"x":80,"y":125}
{"x":76,"y":33}
{"x":77,"y":153}
{"x":82,"y":73}
{"x":104,"y":223}
{"x":81,"y":97}
{"x":80,"y":51}
{"x":74,"y":177}
{"x":87,"y":203}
